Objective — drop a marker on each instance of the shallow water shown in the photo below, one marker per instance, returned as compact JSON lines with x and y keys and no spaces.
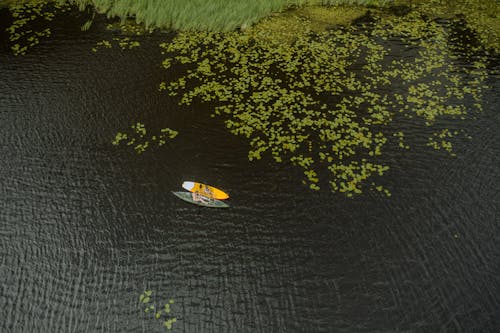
{"x":86,"y":227}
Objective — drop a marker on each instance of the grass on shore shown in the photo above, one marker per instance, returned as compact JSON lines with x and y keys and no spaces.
{"x":212,"y":15}
{"x":215,"y":15}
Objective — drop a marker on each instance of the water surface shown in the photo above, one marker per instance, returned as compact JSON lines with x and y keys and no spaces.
{"x":86,"y":227}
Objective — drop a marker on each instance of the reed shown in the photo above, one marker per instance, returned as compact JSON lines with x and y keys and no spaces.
{"x":215,"y":15}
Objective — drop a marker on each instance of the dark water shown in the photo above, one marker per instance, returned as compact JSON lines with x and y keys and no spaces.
{"x":86,"y":227}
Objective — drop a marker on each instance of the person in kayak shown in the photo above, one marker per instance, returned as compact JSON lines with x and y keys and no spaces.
{"x":201,"y":198}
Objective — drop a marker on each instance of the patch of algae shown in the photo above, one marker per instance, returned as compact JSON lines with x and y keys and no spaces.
{"x":324,"y":99}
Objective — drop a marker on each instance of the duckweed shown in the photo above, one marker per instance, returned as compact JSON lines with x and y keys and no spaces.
{"x":125,"y":43}
{"x":322,"y":100}
{"x":21,"y":36}
{"x":102,"y":44}
{"x":481,"y":16}
{"x":441,"y":140}
{"x":138,"y":139}
{"x":129,"y":28}
{"x":400,"y":135}
{"x":159,"y":313}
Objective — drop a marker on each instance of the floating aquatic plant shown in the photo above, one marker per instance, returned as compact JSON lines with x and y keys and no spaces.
{"x":322,"y":100}
{"x":318,"y":99}
{"x":21,"y":36}
{"x":128,"y":39}
{"x":125,"y":43}
{"x":482,"y":17}
{"x":282,"y":113}
{"x":137,"y":137}
{"x":400,"y":135}
{"x":161,"y":312}
{"x":128,"y":28}
{"x":102,"y":44}
{"x":441,"y":140}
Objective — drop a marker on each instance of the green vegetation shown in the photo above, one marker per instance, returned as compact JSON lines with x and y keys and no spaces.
{"x":322,"y":101}
{"x":137,"y":137}
{"x":128,"y":33}
{"x":225,"y":15}
{"x":357,"y":2}
{"x":22,"y":38}
{"x":160,"y":313}
{"x":305,"y":86}
{"x":401,"y":137}
{"x":191,"y":15}
{"x":125,"y":43}
{"x":481,"y":16}
{"x":14,"y":3}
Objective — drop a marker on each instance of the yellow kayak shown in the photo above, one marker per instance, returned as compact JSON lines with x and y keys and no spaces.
{"x":205,"y":190}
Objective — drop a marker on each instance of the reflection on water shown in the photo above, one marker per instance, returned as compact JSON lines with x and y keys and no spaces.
{"x":86,"y":227}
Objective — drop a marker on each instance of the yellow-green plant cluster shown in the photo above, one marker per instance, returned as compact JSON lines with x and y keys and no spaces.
{"x":322,"y":102}
{"x":357,"y":2}
{"x":128,"y":30}
{"x":441,"y":140}
{"x":138,"y":139}
{"x":125,"y":43}
{"x":160,"y":313}
{"x":401,"y":137}
{"x":481,"y":16}
{"x":102,"y":44}
{"x":23,"y":38}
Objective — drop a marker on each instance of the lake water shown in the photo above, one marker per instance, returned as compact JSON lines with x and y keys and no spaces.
{"x":86,"y":227}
